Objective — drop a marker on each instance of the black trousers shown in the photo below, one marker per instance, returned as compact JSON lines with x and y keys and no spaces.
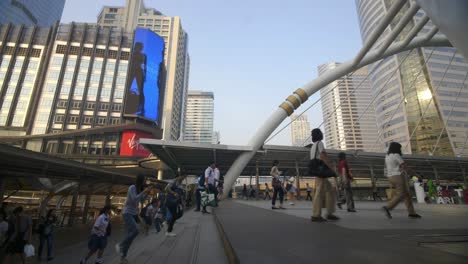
{"x":212,"y":189}
{"x":171,"y":222}
{"x":309,"y":197}
{"x":277,"y":191}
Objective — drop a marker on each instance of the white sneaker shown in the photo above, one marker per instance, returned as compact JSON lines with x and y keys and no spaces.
{"x":170,"y":234}
{"x":291,"y":203}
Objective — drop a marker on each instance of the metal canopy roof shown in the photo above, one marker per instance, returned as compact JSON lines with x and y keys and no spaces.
{"x":16,"y":162}
{"x":194,"y":158}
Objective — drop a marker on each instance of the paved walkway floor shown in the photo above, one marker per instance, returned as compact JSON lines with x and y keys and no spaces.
{"x":261,"y":235}
{"x":197,"y":241}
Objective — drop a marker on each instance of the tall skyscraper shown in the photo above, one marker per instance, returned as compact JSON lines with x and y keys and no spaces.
{"x":41,"y":13}
{"x":300,"y":130}
{"x":347,"y":126}
{"x":418,"y":88}
{"x":176,"y":58}
{"x":200,"y":116}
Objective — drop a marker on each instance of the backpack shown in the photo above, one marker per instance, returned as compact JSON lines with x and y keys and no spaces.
{"x":201,"y":180}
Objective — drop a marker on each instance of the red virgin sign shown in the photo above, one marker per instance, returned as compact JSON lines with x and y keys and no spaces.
{"x":131,"y":144}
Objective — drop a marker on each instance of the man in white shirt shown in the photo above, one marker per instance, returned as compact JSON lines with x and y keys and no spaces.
{"x":210,"y":180}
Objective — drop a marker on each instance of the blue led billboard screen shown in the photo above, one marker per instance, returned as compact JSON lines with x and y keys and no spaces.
{"x":145,"y":80}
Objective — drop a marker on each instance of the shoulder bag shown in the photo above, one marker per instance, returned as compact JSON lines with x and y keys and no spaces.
{"x":318,"y":168}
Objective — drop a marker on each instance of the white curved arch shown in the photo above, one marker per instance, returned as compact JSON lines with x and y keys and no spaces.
{"x":302,"y":94}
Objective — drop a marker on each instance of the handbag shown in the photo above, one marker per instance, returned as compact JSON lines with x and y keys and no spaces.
{"x":318,"y":168}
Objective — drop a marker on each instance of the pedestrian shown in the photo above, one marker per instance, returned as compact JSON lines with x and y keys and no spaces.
{"x":346,"y":178}
{"x":277,"y":186}
{"x":98,"y":239}
{"x":3,"y":230}
{"x":150,"y":213}
{"x":136,"y":194}
{"x":244,"y":192}
{"x":267,"y":192}
{"x":22,"y":234}
{"x":219,"y":183}
{"x":3,"y":225}
{"x":375,"y":192}
{"x":200,"y":188}
{"x":396,"y":174}
{"x":323,"y":186}
{"x":308,"y":190}
{"x":46,"y":229}
{"x":158,"y":216}
{"x":210,"y":181}
{"x":252,"y":192}
{"x":173,"y":202}
{"x":291,"y":190}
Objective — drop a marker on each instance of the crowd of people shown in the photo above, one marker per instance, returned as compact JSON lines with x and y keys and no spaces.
{"x":333,"y":188}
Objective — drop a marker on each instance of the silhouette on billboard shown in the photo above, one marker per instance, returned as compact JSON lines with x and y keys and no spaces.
{"x":145,"y":81}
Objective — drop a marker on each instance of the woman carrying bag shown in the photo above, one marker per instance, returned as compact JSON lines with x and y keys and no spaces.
{"x":320,"y":167}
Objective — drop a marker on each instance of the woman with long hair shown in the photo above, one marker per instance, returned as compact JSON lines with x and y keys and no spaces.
{"x":323,"y":186}
{"x":396,"y":174}
{"x":136,"y":194}
{"x":277,"y":186}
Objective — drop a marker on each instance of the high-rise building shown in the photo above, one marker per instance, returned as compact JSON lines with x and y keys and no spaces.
{"x":199,"y":117}
{"x":300,"y":130}
{"x":344,"y":103}
{"x":62,"y":89}
{"x":41,"y":13}
{"x":421,"y":95}
{"x":176,"y":58}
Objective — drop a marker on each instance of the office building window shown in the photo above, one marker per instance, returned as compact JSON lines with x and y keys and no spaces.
{"x":103,"y":106}
{"x":82,"y":147}
{"x":76,"y":104}
{"x":59,"y":118}
{"x":90,"y":105}
{"x":116,"y":107}
{"x":115,"y":121}
{"x":88,"y":120}
{"x":62,"y":104}
{"x":101,"y":121}
{"x":61,"y":49}
{"x":73,"y":119}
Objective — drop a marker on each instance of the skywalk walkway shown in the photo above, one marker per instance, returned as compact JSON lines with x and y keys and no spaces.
{"x":259,"y":235}
{"x":197,"y":241}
